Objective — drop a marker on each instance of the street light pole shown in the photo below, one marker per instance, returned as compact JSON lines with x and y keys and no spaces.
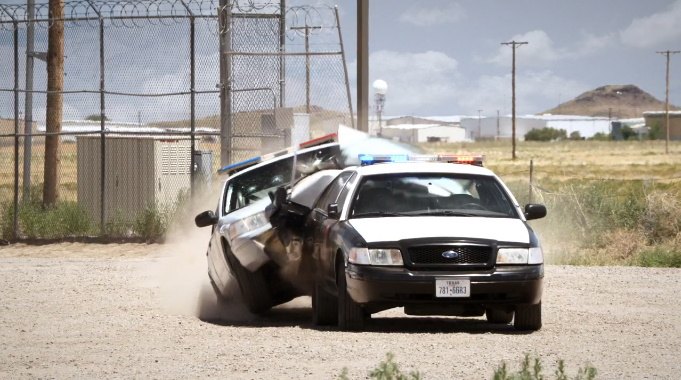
{"x":666,"y":99}
{"x":514,"y":45}
{"x":380,"y":89}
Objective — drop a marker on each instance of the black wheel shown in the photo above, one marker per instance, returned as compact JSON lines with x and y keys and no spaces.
{"x":499,"y":316}
{"x":350,"y":314}
{"x":527,"y":317}
{"x":219,"y":297}
{"x":254,"y":290}
{"x":324,"y":307}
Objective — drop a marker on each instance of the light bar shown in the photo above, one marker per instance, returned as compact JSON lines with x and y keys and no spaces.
{"x":370,"y":159}
{"x":331,"y":137}
{"x":233,"y":168}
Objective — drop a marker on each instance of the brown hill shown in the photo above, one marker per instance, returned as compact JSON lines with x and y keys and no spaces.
{"x":616,"y":101}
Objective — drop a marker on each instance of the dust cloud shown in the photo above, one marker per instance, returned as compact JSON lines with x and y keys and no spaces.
{"x":181,"y":269}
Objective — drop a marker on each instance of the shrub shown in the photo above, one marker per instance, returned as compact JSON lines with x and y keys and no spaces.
{"x":575,"y":135}
{"x":546,"y":134}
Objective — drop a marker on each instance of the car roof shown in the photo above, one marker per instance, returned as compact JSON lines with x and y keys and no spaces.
{"x":421,"y":167}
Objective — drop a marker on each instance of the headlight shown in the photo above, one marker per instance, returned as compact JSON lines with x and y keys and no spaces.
{"x":532,"y":255}
{"x":247,"y":224}
{"x":367,"y":256}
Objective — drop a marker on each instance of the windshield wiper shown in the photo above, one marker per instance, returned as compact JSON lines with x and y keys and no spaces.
{"x":448,"y":213}
{"x":379,"y":213}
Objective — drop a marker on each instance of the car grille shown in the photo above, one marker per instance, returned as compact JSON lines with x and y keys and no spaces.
{"x":458,"y":254}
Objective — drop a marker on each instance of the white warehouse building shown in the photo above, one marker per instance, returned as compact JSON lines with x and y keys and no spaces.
{"x":501,"y":128}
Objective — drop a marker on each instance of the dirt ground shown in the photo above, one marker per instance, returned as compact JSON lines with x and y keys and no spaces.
{"x":144,"y":311}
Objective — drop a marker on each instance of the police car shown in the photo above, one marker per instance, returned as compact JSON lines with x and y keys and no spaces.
{"x":437,"y":235}
{"x":243,"y":245}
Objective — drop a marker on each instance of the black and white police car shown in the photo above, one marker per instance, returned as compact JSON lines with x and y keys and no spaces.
{"x":427,"y":233}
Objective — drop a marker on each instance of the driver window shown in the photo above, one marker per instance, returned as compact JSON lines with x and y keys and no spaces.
{"x":330,"y":195}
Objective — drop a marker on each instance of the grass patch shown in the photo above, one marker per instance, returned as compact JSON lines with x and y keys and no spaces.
{"x":530,"y":369}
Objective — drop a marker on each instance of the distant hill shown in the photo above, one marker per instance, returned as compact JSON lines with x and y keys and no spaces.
{"x":616,"y":101}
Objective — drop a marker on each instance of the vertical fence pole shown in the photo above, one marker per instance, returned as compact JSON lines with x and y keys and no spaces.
{"x":345,"y":68}
{"x":225,"y":25}
{"x":282,"y":50}
{"x":102,"y":123}
{"x":192,"y":64}
{"x":531,"y":181}
{"x":28,"y":99}
{"x":15,"y":232}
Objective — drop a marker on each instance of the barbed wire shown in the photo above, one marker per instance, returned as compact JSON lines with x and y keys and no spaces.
{"x":134,"y":14}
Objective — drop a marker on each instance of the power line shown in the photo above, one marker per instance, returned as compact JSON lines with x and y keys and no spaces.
{"x":514,"y":44}
{"x":666,"y":100}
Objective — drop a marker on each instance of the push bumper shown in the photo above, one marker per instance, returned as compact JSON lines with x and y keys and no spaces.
{"x":504,"y":285}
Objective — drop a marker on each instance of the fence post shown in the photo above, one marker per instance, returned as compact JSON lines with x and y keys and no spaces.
{"x":225,"y":26}
{"x":531,"y":180}
{"x":345,"y":67}
{"x":192,"y":52}
{"x":16,"y":131}
{"x":102,"y":123}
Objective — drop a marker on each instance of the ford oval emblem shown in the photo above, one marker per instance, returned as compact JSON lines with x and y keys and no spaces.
{"x":450,"y":254}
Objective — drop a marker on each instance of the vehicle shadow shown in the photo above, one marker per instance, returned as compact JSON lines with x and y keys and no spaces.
{"x":299,"y":314}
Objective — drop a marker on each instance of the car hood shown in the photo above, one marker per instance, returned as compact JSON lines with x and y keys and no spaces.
{"x":399,"y":228}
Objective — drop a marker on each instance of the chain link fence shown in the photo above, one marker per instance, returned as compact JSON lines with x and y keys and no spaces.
{"x":143,"y":93}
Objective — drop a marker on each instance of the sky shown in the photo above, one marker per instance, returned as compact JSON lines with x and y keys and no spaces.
{"x":444,"y":57}
{"x":438,"y":57}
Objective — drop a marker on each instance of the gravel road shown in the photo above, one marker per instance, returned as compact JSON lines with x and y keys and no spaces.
{"x":131,"y":311}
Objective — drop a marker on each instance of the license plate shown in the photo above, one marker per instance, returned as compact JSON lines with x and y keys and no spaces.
{"x":445,"y":288}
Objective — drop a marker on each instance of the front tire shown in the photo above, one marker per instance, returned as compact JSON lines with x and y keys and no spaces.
{"x":324,"y":307}
{"x":254,"y":290}
{"x":499,"y":316}
{"x":350,"y":314}
{"x":527,"y":317}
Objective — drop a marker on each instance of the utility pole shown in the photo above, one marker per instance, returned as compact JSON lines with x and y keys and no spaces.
{"x":497,"y":125}
{"x":666,"y":99}
{"x":363,"y":65}
{"x":479,"y":129}
{"x":54,"y":103}
{"x":307,"y":29}
{"x":514,"y":45}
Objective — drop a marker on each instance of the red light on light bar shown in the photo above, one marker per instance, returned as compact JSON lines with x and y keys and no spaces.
{"x":458,"y":159}
{"x":331,"y":137}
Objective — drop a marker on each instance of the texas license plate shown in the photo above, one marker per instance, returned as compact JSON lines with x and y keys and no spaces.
{"x":445,"y":288}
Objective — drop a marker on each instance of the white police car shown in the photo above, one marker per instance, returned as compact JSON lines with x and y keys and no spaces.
{"x":437,"y":238}
{"x":243,"y":244}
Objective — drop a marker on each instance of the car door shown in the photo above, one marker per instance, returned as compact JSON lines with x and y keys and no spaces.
{"x":321,"y":224}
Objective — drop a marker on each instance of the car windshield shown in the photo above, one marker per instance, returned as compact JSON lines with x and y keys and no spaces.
{"x":431,"y":194}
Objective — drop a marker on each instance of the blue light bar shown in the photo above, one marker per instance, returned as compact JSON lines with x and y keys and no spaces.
{"x":368,"y":159}
{"x":231,"y":168}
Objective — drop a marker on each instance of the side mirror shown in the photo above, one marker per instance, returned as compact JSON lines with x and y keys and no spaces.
{"x":332,"y":210}
{"x":534,"y":211}
{"x":205,"y":219}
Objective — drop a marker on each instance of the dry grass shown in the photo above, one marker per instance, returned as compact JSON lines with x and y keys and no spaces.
{"x":609,"y":202}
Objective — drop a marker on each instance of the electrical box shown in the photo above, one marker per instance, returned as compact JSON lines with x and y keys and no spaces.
{"x":141,"y":172}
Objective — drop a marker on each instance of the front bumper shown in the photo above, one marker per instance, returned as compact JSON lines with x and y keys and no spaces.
{"x":504,"y":285}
